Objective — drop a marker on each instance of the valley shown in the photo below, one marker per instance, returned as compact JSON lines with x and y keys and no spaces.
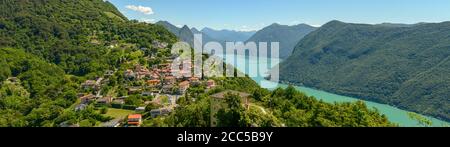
{"x":86,"y":63}
{"x":394,"y":114}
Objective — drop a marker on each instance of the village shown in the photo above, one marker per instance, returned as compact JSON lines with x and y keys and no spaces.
{"x":156,"y":86}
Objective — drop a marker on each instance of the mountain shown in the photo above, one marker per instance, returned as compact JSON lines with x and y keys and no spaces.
{"x":228,"y":35}
{"x":205,"y":37}
{"x":288,"y":36}
{"x":405,"y":67}
{"x":186,"y":34}
{"x":49,"y":47}
{"x":196,"y":31}
{"x":69,"y":33}
{"x":170,"y":27}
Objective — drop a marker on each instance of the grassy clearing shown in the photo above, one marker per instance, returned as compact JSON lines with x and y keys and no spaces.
{"x":118,"y":113}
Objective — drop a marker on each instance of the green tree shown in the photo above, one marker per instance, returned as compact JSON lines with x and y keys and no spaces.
{"x":421,"y":121}
{"x":5,"y":71}
{"x":104,"y":110}
{"x":134,"y":100}
{"x":233,"y":115}
{"x":151,"y":107}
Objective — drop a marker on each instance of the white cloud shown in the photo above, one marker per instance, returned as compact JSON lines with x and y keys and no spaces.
{"x":142,"y":9}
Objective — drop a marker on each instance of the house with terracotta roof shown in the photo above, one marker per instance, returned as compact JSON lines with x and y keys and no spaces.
{"x":142,"y":72}
{"x":135,"y":119}
{"x":184,"y":86}
{"x":154,"y":82}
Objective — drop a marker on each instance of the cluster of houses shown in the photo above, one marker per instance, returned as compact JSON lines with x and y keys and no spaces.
{"x":95,"y":86}
{"x":161,"y":79}
{"x":157,"y":81}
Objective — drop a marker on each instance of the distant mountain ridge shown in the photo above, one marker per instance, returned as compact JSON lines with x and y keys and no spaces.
{"x":228,"y":35}
{"x":287,"y":36}
{"x":185,"y":33}
{"x":402,"y":66}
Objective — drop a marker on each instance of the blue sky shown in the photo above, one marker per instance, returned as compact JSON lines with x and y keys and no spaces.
{"x":256,"y":14}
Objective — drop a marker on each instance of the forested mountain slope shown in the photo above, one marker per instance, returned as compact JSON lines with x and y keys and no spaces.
{"x":287,"y":36}
{"x":71,"y":34}
{"x":48,"y":47}
{"x":404,"y":66}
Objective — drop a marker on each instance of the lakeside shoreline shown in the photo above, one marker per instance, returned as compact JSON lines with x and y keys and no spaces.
{"x":394,"y":114}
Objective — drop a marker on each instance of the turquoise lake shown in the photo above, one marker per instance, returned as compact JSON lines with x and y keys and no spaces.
{"x":249,"y":65}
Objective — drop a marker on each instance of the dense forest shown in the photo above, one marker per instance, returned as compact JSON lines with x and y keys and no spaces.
{"x":72,"y":34}
{"x":51,"y":46}
{"x":277,"y":108}
{"x":48,"y":48}
{"x":402,"y":65}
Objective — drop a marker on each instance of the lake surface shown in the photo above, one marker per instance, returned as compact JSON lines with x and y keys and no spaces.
{"x":253,"y":65}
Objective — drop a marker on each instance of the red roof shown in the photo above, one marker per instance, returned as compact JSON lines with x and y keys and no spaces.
{"x":184,"y":84}
{"x":153,"y":81}
{"x":135,"y":116}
